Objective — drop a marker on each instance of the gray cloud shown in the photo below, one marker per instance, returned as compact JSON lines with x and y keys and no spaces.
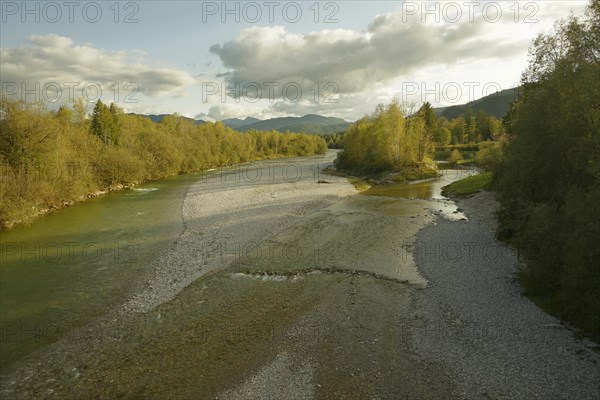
{"x":356,"y":60}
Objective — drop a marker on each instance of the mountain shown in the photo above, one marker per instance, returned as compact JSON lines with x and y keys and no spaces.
{"x":315,"y":129}
{"x":160,"y":117}
{"x":236,"y":123}
{"x":496,"y":104}
{"x":311,"y":123}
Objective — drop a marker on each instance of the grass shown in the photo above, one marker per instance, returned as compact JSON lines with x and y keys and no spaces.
{"x":359,"y":184}
{"x":413,"y":173}
{"x":408,"y":173}
{"x":468,"y":185}
{"x":468,"y":161}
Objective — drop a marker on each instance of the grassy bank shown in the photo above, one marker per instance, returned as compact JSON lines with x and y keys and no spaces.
{"x":363,"y":181}
{"x":469,"y":185}
{"x":359,"y":184}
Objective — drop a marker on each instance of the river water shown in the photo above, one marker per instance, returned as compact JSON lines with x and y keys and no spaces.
{"x":74,"y":264}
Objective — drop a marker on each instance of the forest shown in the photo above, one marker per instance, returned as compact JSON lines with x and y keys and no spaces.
{"x":549,"y":181}
{"x":52,"y":159}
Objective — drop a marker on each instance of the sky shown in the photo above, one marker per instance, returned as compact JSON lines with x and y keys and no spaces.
{"x":214,"y":59}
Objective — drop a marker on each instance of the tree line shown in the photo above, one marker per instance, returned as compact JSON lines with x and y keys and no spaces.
{"x":48,"y":159}
{"x":549,"y":180}
{"x":393,"y":138}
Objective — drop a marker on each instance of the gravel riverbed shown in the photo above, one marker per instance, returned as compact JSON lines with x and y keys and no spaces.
{"x":474,"y":319}
{"x":283,"y":287}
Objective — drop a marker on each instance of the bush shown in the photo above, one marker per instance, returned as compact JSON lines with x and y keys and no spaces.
{"x":455,"y":157}
{"x":489,"y":156}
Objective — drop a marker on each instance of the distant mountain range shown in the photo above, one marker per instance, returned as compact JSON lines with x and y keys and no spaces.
{"x":496,"y":104}
{"x":235,"y":123}
{"x":311,"y":123}
{"x":160,"y":117}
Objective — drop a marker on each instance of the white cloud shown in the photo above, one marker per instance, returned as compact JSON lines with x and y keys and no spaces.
{"x":58,"y":59}
{"x":449,"y":62}
{"x":392,"y":46}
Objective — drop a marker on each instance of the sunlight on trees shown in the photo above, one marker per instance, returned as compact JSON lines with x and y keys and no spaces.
{"x":388,"y":140}
{"x":49,"y":159}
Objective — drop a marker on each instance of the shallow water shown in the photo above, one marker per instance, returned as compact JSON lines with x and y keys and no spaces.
{"x":423,"y":189}
{"x":72,"y":265}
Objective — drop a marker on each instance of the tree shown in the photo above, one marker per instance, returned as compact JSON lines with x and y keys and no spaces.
{"x":387,"y":140}
{"x":483,"y":127}
{"x":549,"y":181}
{"x":471,"y":133}
{"x":25,"y":132}
{"x":79,"y":111}
{"x":64,"y":115}
{"x":442,"y":136}
{"x":105,"y":123}
{"x":496,"y":127}
{"x":489,"y":156}
{"x":47,"y":158}
{"x":455,"y":156}
{"x":427,"y":114}
{"x":458,"y":129}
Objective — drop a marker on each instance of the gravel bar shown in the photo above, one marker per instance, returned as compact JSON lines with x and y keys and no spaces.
{"x":473,"y":318}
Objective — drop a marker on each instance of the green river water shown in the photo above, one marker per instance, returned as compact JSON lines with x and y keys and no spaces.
{"x":72,"y":265}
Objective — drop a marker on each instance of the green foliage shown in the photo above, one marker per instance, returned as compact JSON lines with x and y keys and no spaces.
{"x":49,"y":159}
{"x":334,"y":140}
{"x":549,"y":181}
{"x":455,"y":156}
{"x":468,"y":128}
{"x":443,"y":135}
{"x":387,"y":140}
{"x":106,"y":123}
{"x":425,"y":130}
{"x":490,"y":155}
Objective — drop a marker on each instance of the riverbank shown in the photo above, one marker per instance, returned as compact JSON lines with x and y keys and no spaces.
{"x":6,"y":225}
{"x":474,"y":319}
{"x":29,"y":219}
{"x":360,"y":179}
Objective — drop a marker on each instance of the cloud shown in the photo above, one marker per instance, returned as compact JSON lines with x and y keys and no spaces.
{"x":221,"y":111}
{"x":356,"y":61}
{"x":54,"y":58}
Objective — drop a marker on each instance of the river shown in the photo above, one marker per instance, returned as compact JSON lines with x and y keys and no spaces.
{"x":74,"y":264}
{"x":272,"y":278}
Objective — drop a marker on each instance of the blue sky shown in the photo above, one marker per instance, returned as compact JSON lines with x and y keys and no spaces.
{"x":193,"y":58}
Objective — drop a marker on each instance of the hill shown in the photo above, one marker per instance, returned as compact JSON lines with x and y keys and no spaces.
{"x":311,"y":123}
{"x":160,"y":117}
{"x":236,"y":123}
{"x":496,"y":104}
